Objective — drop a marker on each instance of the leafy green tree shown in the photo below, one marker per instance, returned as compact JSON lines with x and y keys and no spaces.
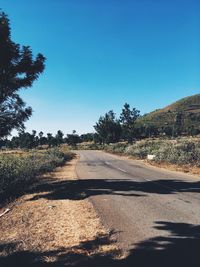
{"x":177,"y":127}
{"x":35,"y":139}
{"x":150,"y":130}
{"x":42,"y":140}
{"x":178,"y":124}
{"x":97,"y":138}
{"x":139,"y":131}
{"x":4,"y":143}
{"x":88,"y":137}
{"x":108,"y":128}
{"x":13,"y":143}
{"x":25,"y":140}
{"x":192,"y":130}
{"x":50,"y":139}
{"x":59,"y":137}
{"x":128,"y":117}
{"x":18,"y":69}
{"x":40,"y":134}
{"x":168,"y":130}
{"x":73,"y":139}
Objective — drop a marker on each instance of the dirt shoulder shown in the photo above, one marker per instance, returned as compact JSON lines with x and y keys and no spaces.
{"x":195,"y":171}
{"x":50,"y":226}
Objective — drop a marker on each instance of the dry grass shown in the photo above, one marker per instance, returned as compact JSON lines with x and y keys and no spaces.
{"x":43,"y":225}
{"x":14,"y":152}
{"x":173,"y":167}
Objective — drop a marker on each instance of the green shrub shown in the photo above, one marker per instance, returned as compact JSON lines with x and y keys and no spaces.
{"x":16,"y":171}
{"x":141,"y":149}
{"x":117,"y":148}
{"x":89,"y":146}
{"x":181,"y":151}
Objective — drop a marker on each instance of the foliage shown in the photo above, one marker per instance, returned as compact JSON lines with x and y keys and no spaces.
{"x":73,"y":139}
{"x":28,"y":140}
{"x":59,"y":137}
{"x":18,"y":70}
{"x":89,"y":146}
{"x":117,"y":148}
{"x":108,"y":128}
{"x":127,"y":119}
{"x":88,"y":137}
{"x":18,"y":170}
{"x":180,"y":151}
{"x":179,"y":118}
{"x":142,"y":148}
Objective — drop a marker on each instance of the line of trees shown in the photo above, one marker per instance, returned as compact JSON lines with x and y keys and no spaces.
{"x":111,"y":129}
{"x":26,"y":140}
{"x":128,"y":127}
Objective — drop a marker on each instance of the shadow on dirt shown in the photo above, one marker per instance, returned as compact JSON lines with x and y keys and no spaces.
{"x":179,"y":248}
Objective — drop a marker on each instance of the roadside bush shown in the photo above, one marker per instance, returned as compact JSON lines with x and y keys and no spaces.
{"x":16,"y":171}
{"x":142,"y":148}
{"x":181,"y":151}
{"x":118,"y":148}
{"x":89,"y":146}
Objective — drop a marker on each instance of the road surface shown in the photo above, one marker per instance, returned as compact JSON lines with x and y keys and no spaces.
{"x":154,"y":213}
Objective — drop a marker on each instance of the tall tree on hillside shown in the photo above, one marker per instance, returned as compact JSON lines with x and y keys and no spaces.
{"x":108,"y":128}
{"x":127,"y":118}
{"x":18,"y":69}
{"x":178,"y":124}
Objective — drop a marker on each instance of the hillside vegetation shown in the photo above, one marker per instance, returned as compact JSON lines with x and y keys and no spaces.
{"x":183,"y":114}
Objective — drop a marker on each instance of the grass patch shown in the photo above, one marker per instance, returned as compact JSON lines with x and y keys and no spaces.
{"x":180,"y":151}
{"x":20,"y":169}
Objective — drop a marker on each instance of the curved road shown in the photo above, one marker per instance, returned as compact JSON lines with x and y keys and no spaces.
{"x":149,"y":209}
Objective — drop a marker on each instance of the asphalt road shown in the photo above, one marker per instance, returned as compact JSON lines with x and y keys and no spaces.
{"x":154,"y":213}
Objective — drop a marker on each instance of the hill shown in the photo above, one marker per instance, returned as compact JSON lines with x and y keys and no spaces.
{"x":183,"y":114}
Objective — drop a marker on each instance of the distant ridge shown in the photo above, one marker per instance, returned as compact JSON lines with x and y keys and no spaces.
{"x":188,"y":110}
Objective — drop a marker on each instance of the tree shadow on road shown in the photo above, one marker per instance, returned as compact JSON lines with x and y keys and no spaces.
{"x":180,"y":247}
{"x":81,"y":189}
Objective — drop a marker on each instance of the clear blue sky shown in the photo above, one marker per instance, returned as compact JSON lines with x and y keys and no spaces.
{"x":103,"y":53}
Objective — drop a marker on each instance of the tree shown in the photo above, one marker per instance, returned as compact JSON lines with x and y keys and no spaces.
{"x":178,"y":124}
{"x":150,"y":130}
{"x":3,"y":143}
{"x":18,"y":69}
{"x":168,"y":130}
{"x":40,"y":134}
{"x":127,"y":119}
{"x":14,"y":142}
{"x":50,"y":139}
{"x":42,"y":140}
{"x":73,"y":139}
{"x":59,"y":137}
{"x":24,"y":140}
{"x":88,"y":137}
{"x":108,"y":128}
